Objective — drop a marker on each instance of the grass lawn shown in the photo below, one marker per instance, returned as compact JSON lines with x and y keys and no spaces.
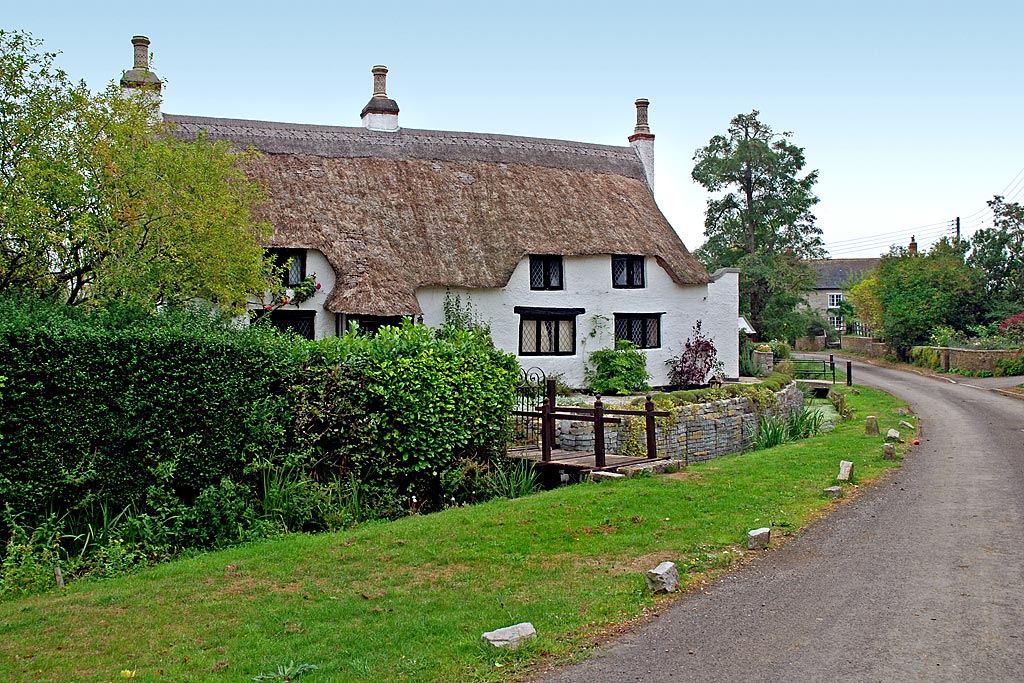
{"x":408,"y":600}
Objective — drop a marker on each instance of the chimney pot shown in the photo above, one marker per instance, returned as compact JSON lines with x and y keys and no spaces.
{"x":380,"y":81}
{"x":642,"y":128}
{"x":141,"y":44}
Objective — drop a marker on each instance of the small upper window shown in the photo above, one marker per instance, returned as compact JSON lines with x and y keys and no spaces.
{"x":628,"y":272}
{"x":836,"y":321}
{"x":835,"y":299}
{"x":545,"y":272}
{"x":295,"y":261}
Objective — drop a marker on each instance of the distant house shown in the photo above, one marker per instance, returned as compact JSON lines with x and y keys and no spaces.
{"x":835,"y":277}
{"x":559,"y":245}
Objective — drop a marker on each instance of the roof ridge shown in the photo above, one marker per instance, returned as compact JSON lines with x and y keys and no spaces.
{"x":361,"y":131}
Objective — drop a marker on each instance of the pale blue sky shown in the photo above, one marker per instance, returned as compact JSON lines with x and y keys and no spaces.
{"x":910,"y":111}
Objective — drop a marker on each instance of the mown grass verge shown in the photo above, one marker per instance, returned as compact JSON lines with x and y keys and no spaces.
{"x":408,"y":600}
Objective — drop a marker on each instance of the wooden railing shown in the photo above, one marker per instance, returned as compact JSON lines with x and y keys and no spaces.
{"x":600,"y":416}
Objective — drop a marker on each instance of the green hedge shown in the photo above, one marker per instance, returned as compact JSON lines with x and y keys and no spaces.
{"x":193,"y":424}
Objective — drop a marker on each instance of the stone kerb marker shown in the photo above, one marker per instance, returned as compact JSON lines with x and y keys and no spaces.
{"x":889,"y":451}
{"x":664,"y":578}
{"x":510,"y":637}
{"x":758,"y":539}
{"x":845,"y":470}
{"x":871,"y":426}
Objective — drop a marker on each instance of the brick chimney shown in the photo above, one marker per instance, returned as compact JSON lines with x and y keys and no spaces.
{"x":140,"y":81}
{"x":380,"y":113}
{"x":642,"y":140}
{"x":912,"y":248}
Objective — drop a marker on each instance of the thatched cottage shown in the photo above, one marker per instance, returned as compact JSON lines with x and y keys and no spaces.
{"x":558,"y":245}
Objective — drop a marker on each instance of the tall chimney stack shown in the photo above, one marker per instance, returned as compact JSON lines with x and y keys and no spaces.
{"x":380,"y":113}
{"x":642,"y":140}
{"x":140,"y":81}
{"x":912,"y":248}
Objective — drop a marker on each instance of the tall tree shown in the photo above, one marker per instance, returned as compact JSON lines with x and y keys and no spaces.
{"x":100,"y":202}
{"x":919,"y":292}
{"x":760,"y":218}
{"x":999,"y":252}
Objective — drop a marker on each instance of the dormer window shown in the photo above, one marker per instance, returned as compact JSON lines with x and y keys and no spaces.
{"x":295,"y":260}
{"x":546,"y":272}
{"x":628,"y":272}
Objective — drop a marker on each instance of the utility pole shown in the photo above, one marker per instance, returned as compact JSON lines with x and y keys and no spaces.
{"x":958,"y":228}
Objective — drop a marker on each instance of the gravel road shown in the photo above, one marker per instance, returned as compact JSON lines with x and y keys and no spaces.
{"x":920,"y":578}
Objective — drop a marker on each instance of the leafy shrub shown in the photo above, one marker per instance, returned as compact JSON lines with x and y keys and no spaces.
{"x":780,"y":349}
{"x":698,"y":359}
{"x":1012,"y":366}
{"x":179,"y":430}
{"x":1013,"y":327}
{"x":621,"y":370}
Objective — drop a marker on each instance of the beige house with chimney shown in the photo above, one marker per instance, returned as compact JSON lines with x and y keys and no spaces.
{"x":560,"y":246}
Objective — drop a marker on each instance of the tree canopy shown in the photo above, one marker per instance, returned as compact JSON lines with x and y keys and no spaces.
{"x":100,"y":202}
{"x":916,"y":293}
{"x":760,"y":218}
{"x":999,"y":252}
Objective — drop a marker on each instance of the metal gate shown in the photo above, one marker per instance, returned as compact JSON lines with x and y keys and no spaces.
{"x":529,"y":395}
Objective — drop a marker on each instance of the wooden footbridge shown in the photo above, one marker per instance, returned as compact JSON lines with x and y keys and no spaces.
{"x":549,"y":456}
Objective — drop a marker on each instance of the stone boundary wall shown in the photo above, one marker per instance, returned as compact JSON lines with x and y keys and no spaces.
{"x":975,"y":360}
{"x":699,"y":432}
{"x":816,"y":343}
{"x":869,"y":346}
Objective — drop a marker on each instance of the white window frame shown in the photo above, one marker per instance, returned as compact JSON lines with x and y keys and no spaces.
{"x":835,"y":299}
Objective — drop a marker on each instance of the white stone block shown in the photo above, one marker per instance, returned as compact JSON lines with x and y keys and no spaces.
{"x":664,"y":578}
{"x":845,"y":470}
{"x":759,"y":538}
{"x":605,"y":476}
{"x":892,"y":435}
{"x":510,"y":637}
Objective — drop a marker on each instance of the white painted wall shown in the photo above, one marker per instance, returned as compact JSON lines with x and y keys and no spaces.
{"x":588,"y":285}
{"x":720,"y":321}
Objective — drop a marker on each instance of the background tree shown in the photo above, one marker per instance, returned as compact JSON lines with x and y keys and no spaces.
{"x":919,"y":292}
{"x":865,"y":302}
{"x":999,"y":253}
{"x":761,"y":220}
{"x":99,"y":202}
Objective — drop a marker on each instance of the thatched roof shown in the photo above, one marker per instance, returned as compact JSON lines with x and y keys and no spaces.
{"x":840,"y":273}
{"x":396,"y":211}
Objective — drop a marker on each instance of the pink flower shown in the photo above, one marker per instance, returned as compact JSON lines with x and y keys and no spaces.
{"x":284,"y":300}
{"x":317,"y":285}
{"x":268,"y":306}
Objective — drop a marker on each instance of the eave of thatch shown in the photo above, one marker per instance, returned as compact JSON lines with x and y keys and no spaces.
{"x":393,"y":212}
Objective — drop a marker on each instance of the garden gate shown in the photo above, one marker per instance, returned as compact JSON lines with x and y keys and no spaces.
{"x":529,"y":396}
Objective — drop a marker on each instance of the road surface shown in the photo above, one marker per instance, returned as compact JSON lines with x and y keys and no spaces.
{"x":920,"y":578}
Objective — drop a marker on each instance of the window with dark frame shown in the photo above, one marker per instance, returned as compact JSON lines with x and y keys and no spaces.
{"x":546,"y":272}
{"x":643,"y":329}
{"x":628,"y":272}
{"x":369,"y":325}
{"x":547,"y":331}
{"x":295,"y":259}
{"x":300,"y":322}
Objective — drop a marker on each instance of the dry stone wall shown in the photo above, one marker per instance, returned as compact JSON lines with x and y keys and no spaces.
{"x":694,"y":433}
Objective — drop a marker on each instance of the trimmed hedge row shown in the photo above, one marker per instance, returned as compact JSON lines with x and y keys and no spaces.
{"x":183,"y":417}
